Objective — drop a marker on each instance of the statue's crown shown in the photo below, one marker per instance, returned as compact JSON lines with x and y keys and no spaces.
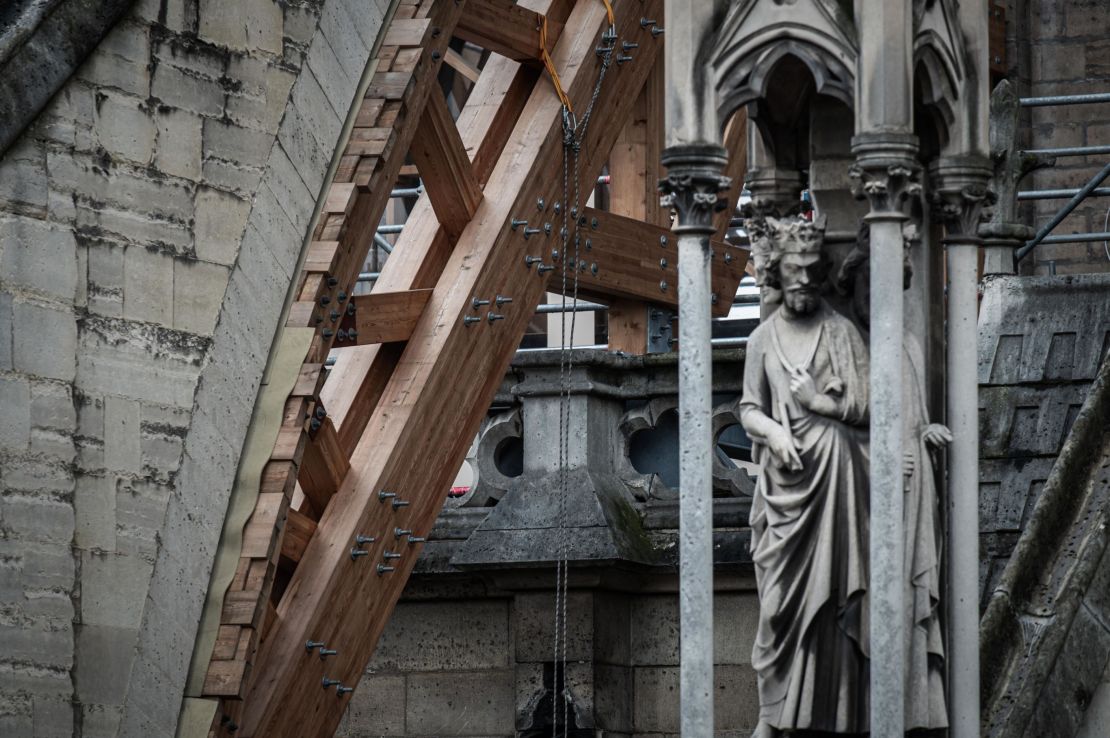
{"x":797,"y":235}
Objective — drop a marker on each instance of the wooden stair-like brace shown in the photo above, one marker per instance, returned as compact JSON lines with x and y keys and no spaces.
{"x":350,"y":462}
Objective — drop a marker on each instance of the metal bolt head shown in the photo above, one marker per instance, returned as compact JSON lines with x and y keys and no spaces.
{"x":663,"y":285}
{"x":478,"y":302}
{"x":645,"y":22}
{"x":662,"y":263}
{"x":341,"y":690}
{"x":416,"y":539}
{"x":589,"y":245}
{"x":593,"y":268}
{"x":713,"y":298}
{"x":728,"y":258}
{"x":494,"y":316}
{"x":471,"y":319}
{"x":350,"y":308}
{"x":334,"y":315}
{"x":528,"y":232}
{"x":547,"y":229}
{"x":663,"y":241}
{"x":629,"y":46}
{"x":333,"y":281}
{"x":502,"y":300}
{"x":401,"y":532}
{"x":554,"y":254}
{"x":436,"y":55}
{"x":656,"y":31}
{"x":544,"y":268}
{"x":314,"y":425}
{"x":383,"y":569}
{"x":329,"y":682}
{"x":387,"y":555}
{"x":383,"y":495}
{"x":540,"y":204}
{"x":356,"y":552}
{"x":594,"y":224}
{"x":325,"y":652}
{"x":325,"y":299}
{"x":398,"y":504}
{"x":516,"y":223}
{"x":311,"y":646}
{"x":327,"y":333}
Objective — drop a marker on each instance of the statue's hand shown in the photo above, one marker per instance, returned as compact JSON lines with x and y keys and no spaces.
{"x":784,"y":448}
{"x":803,"y":387}
{"x":937,"y":435}
{"x":908,"y":464}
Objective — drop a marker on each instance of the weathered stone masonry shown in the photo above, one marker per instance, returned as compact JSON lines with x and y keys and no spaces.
{"x":151,"y":220}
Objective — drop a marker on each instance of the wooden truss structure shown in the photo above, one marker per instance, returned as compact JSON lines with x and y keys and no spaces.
{"x":328,"y":548}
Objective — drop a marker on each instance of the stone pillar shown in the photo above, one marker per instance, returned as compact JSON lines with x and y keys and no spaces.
{"x":885,"y":151}
{"x":694,"y":159}
{"x":960,"y":189}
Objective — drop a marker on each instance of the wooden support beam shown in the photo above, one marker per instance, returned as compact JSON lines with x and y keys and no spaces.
{"x":505,"y":28}
{"x":639,"y":261}
{"x":444,"y":167}
{"x":299,"y":529}
{"x":456,"y":61}
{"x":424,"y":406}
{"x":635,"y":170}
{"x":323,"y":467}
{"x":485,"y":124}
{"x":383,"y":317}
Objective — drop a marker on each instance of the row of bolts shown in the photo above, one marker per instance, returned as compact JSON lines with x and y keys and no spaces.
{"x":357,"y":552}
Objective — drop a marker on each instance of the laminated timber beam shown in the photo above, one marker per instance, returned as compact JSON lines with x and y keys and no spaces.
{"x":630,"y":259}
{"x":353,"y":205}
{"x":445,"y":168}
{"x":384,"y":317}
{"x":344,"y":600}
{"x":505,"y":28}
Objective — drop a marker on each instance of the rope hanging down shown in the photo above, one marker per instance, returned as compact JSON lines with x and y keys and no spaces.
{"x":574,"y":132}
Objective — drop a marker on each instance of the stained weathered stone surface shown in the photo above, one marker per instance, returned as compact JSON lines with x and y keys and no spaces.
{"x":1040,"y":343}
{"x":1045,"y":634}
{"x":136,"y":317}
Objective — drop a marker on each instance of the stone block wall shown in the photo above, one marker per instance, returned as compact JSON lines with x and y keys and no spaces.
{"x":482,"y":665}
{"x":1062,"y":47}
{"x":151,"y":220}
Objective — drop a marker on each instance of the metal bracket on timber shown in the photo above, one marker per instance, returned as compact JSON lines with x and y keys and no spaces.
{"x":392,"y":404}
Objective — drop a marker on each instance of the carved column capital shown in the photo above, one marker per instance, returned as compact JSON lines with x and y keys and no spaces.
{"x":960,"y":192}
{"x":692,"y":185}
{"x":886,"y":172}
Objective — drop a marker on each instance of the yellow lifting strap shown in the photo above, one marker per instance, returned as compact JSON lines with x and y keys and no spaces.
{"x":550,"y":65}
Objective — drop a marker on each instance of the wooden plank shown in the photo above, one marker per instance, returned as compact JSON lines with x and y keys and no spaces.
{"x":323,"y":467}
{"x":226,"y":679}
{"x":299,"y":529}
{"x":382,"y":317}
{"x":258,"y":534}
{"x":456,"y":61}
{"x":320,"y":256}
{"x":406,"y":32}
{"x":505,"y":28}
{"x":437,"y":149}
{"x":635,"y":170}
{"x":424,"y":406}
{"x":639,"y":261}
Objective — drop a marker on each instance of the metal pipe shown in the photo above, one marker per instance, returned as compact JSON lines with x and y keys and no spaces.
{"x":1069,"y":151}
{"x":387,"y":229}
{"x":1040,"y":102}
{"x":407,"y":192}
{"x":963,"y":489}
{"x":1064,"y":212}
{"x":384,"y":245}
{"x":1061,"y":194}
{"x":368,"y":276}
{"x":1077,"y":237}
{"x":580,"y":307}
